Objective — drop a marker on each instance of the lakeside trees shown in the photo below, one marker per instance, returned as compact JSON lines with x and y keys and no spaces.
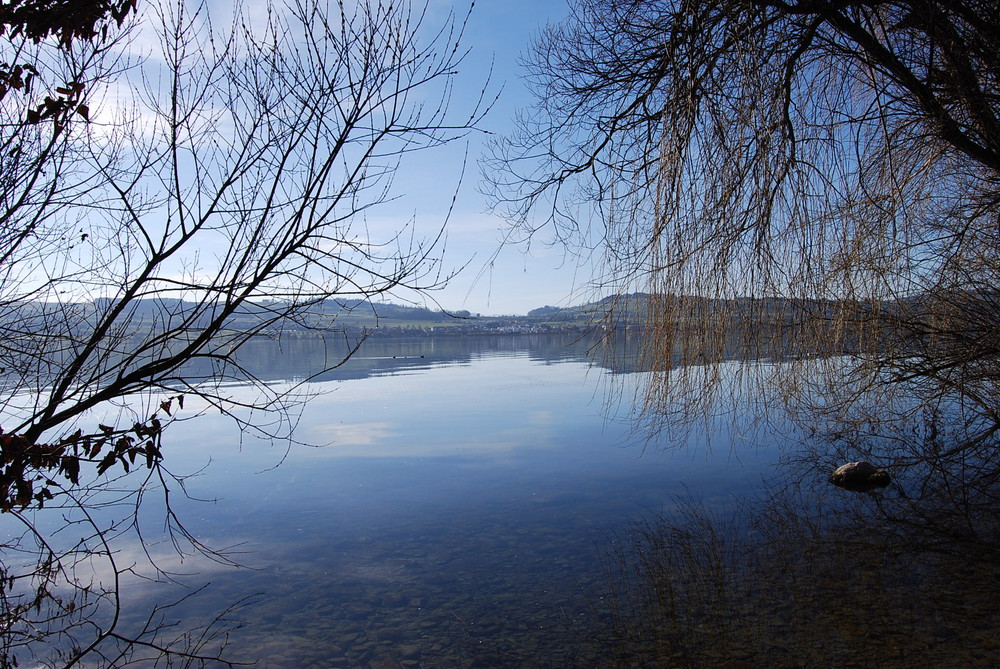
{"x":172,"y":163}
{"x":843,"y":155}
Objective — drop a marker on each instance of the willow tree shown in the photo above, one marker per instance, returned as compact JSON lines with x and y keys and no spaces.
{"x":809,"y":194}
{"x":813,"y":182}
{"x":814,"y":177}
{"x":176,"y":181}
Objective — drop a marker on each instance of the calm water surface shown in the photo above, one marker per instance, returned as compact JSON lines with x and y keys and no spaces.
{"x":455,"y":517}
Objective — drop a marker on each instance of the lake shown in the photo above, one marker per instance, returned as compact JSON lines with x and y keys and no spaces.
{"x":486,"y":502}
{"x":456,"y":512}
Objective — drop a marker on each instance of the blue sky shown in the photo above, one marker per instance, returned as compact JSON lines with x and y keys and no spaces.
{"x":494,"y":278}
{"x":516,"y":278}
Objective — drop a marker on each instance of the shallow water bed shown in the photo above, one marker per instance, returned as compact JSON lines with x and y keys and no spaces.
{"x":457,"y":516}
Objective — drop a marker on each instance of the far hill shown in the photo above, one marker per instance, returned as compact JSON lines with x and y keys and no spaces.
{"x":386,"y":319}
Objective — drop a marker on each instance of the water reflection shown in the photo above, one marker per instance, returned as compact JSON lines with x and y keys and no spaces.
{"x":479,"y":506}
{"x":455,"y":516}
{"x":810,"y":575}
{"x":297,"y":358}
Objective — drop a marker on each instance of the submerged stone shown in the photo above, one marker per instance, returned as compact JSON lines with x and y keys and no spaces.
{"x":860,"y":477}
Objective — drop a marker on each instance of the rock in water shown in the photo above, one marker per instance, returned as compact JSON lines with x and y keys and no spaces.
{"x":859,"y":477}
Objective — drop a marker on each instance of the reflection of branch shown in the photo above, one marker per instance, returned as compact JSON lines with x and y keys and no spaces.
{"x":114,"y":593}
{"x":211,"y":632}
{"x":697,"y":586}
{"x":77,"y":611}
